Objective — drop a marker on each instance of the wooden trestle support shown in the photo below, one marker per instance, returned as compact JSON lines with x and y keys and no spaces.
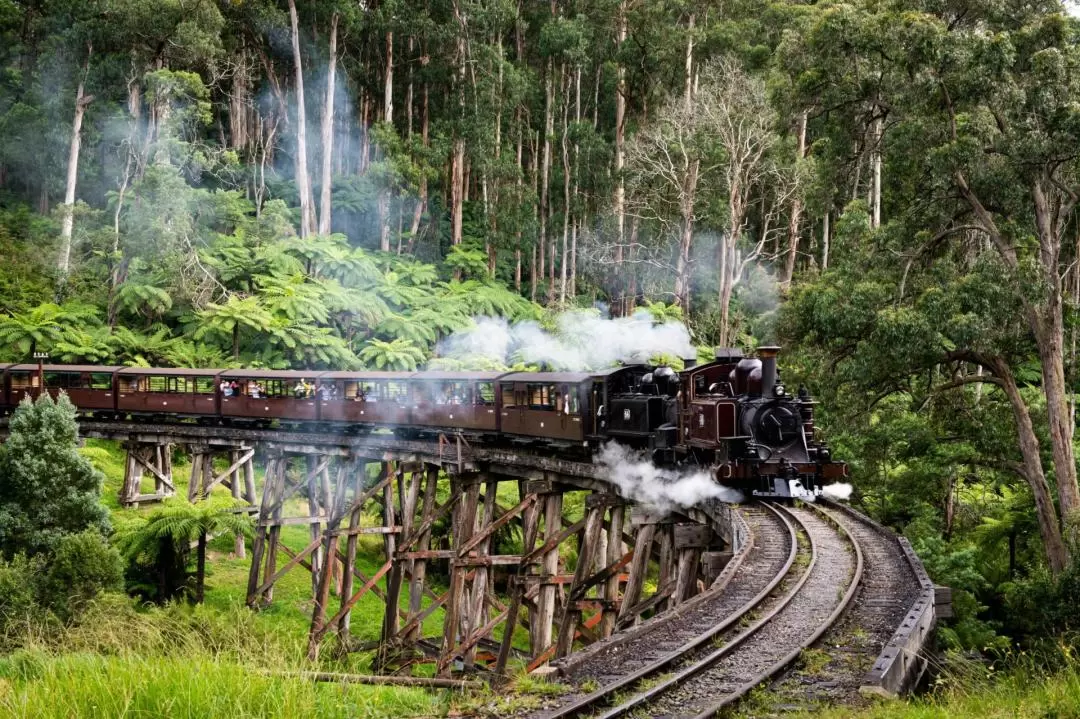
{"x":153,"y":459}
{"x":488,"y":594}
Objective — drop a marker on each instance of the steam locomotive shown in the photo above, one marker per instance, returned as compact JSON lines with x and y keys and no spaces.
{"x":731,"y":415}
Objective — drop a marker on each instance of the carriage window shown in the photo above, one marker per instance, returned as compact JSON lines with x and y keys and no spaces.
{"x":485,"y":393}
{"x":172,"y":385}
{"x":101,"y":380}
{"x":205,"y":385}
{"x":453,"y":393}
{"x":572,"y":402}
{"x":24,"y":381}
{"x":395,"y":392}
{"x":541,"y":396}
{"x":64,"y":380}
{"x":508,"y":397}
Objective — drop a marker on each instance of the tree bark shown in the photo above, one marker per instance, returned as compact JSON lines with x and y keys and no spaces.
{"x":1031,"y":467}
{"x":328,"y":133}
{"x":81,"y":102}
{"x":620,"y":161}
{"x":388,"y":118}
{"x":796,"y":211}
{"x":545,"y":164}
{"x":200,"y":568}
{"x":303,"y":180}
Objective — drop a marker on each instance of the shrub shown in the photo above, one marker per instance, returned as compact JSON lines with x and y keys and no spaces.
{"x":47,"y":489}
{"x":82,"y":566}
{"x":17,"y":605}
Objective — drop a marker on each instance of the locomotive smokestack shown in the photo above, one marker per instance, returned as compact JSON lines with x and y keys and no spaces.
{"x":689,"y":362}
{"x":767,"y":355}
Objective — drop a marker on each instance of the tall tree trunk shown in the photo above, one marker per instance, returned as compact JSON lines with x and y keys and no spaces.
{"x":563,"y":268}
{"x":388,"y":118}
{"x":328,"y":133}
{"x":796,"y":211}
{"x":457,"y":168}
{"x":875,"y":185}
{"x":825,"y":241}
{"x":303,"y":180}
{"x":421,"y":201}
{"x":81,"y":101}
{"x":620,"y":162}
{"x":1031,"y":468}
{"x":545,"y":162}
{"x":200,"y":568}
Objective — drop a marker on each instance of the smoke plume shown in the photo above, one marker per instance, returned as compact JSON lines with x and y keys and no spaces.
{"x":658,"y":488}
{"x":582,"y":341}
{"x":840,"y":491}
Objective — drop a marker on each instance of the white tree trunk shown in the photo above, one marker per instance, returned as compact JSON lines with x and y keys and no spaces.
{"x":303,"y":180}
{"x":328,"y":133}
{"x":81,"y":101}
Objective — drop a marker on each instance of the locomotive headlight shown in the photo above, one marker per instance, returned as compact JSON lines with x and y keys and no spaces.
{"x":779,"y":390}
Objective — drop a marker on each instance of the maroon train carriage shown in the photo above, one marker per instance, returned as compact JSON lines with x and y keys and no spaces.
{"x":5,"y":402}
{"x":364,"y":397}
{"x":157,"y":390}
{"x":90,"y":387}
{"x":458,"y":400}
{"x":271,"y":394}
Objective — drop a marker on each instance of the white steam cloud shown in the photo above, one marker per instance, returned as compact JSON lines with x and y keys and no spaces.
{"x":661,"y":489}
{"x":840,"y":491}
{"x":582,"y":341}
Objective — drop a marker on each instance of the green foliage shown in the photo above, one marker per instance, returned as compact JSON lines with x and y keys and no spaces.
{"x":47,"y":489}
{"x":81,"y":567}
{"x":158,"y":545}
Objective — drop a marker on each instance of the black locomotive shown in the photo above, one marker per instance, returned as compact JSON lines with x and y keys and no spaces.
{"x":731,"y":415}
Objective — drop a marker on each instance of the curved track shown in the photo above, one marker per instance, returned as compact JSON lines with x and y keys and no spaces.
{"x":676,"y":637}
{"x":755,"y":640}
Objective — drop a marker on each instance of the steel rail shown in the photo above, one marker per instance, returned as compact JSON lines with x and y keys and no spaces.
{"x":708,"y":661}
{"x":791,"y":656}
{"x":591,"y":700}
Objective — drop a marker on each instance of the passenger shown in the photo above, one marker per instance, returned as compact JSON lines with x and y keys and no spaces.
{"x":235,"y":387}
{"x":361,"y":396}
{"x":226,"y":388}
{"x":324,"y":392}
{"x":309,"y":389}
{"x":255,"y":390}
{"x":299,"y":389}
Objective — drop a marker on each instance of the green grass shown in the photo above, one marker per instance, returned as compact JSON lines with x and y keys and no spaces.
{"x":90,"y":685}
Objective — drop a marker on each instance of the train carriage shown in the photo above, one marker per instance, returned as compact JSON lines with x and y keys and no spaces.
{"x":157,"y":390}
{"x":379,"y":398}
{"x":459,"y":400}
{"x":271,"y":394}
{"x":90,"y":387}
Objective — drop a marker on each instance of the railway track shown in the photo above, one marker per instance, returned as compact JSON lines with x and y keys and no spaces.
{"x":749,"y":631}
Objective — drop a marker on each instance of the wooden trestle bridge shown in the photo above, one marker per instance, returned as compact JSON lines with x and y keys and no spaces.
{"x":421,"y":485}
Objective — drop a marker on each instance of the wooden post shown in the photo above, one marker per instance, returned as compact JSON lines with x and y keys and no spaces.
{"x":419,"y":566}
{"x":529,"y":530}
{"x":359,"y":475}
{"x":478,"y":611}
{"x":610,"y":590}
{"x":197,"y":455}
{"x":334,"y":507}
{"x":274,"y":533}
{"x":587,"y":551}
{"x":249,"y":481}
{"x":545,"y":604}
{"x":234,"y":480}
{"x":639,"y":568}
{"x":393,"y":578}
{"x":259,"y":539}
{"x":464,"y":522}
{"x":666,"y":574}
{"x":315,"y":468}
